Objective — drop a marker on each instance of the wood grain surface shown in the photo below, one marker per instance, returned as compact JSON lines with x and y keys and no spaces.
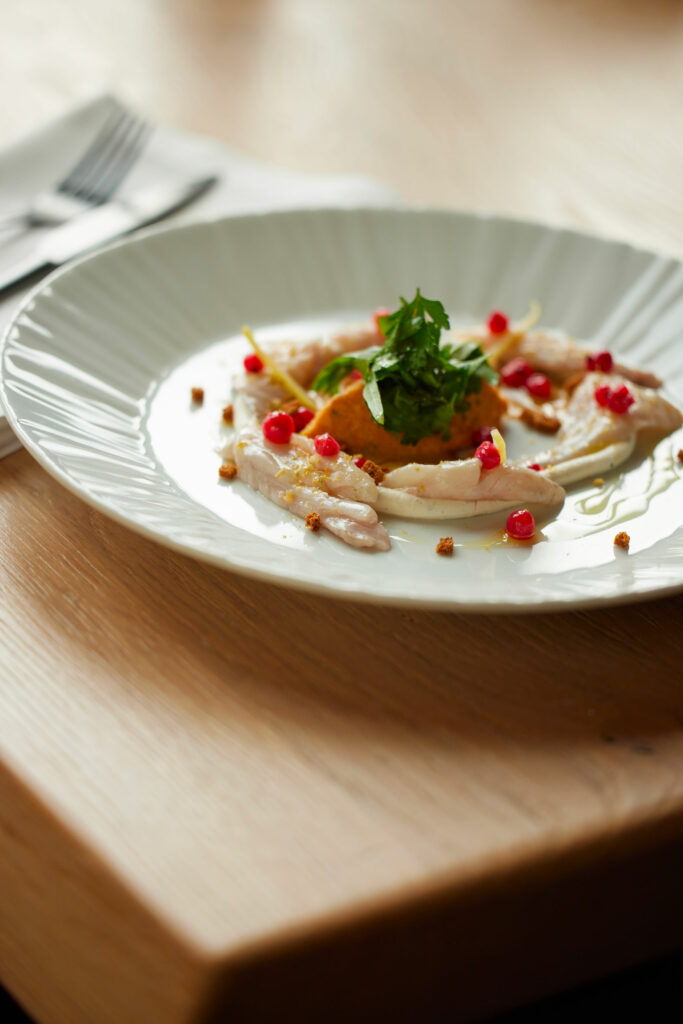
{"x":219,"y":798}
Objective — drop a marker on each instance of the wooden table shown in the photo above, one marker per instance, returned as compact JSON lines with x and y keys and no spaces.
{"x":216,"y":796}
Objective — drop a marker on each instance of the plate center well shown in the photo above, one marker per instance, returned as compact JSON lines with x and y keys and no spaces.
{"x":187,"y":438}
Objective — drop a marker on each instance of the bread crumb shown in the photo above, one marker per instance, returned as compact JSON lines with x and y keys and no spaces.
{"x":228,"y":413}
{"x":622,"y":540}
{"x":198,"y":395}
{"x":598,"y":482}
{"x":227,"y":471}
{"x":679,"y":455}
{"x":373,"y":470}
{"x":313,"y":521}
{"x":445,"y":546}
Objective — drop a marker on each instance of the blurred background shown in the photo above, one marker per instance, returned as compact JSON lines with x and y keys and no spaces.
{"x":567,"y":110}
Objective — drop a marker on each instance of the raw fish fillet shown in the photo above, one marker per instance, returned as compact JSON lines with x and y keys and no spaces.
{"x":295,"y":477}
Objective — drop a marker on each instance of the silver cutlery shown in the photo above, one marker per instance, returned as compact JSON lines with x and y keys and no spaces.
{"x":93,"y":179}
{"x":105,"y":223}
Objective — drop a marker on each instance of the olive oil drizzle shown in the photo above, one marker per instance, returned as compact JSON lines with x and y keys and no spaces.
{"x":662,"y":473}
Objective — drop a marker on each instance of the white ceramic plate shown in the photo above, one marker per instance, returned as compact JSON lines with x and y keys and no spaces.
{"x":98,"y":365}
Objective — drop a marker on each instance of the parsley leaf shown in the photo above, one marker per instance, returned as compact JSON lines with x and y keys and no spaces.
{"x":413,"y":384}
{"x":331,"y":376}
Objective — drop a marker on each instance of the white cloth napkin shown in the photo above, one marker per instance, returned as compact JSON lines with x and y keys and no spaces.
{"x":43,"y":158}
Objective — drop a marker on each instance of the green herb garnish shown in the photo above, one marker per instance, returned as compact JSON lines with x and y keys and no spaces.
{"x":413,"y":384}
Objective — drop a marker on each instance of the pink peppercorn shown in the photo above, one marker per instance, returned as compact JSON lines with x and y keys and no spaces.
{"x":252,"y":363}
{"x":538,"y":385}
{"x":278,"y":427}
{"x":600,"y":361}
{"x":520,"y":524}
{"x":497,"y":322}
{"x":488,"y":455}
{"x":516,"y":373}
{"x":325,"y":444}
{"x":602,"y":395}
{"x":360,"y":461}
{"x":620,"y":401}
{"x":302,"y":417}
{"x":535,"y":465}
{"x":355,"y":375}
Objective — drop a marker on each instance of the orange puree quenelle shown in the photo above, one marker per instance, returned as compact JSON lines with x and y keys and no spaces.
{"x":347,"y":418}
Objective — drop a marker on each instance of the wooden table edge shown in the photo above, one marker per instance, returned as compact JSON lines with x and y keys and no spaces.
{"x":482,"y":931}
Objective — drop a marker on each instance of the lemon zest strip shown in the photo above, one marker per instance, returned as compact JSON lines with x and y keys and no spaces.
{"x":499,"y":442}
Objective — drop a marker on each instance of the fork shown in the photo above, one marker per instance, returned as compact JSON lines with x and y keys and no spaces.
{"x":94,"y":179}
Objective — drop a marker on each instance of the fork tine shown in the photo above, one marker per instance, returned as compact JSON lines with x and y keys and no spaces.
{"x":87,"y":188}
{"x":118,"y":167}
{"x":73,"y":180}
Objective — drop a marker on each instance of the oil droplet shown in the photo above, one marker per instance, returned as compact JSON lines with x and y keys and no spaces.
{"x":501,"y":538}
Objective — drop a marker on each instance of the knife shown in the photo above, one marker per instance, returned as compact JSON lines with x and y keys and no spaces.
{"x":105,"y":223}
